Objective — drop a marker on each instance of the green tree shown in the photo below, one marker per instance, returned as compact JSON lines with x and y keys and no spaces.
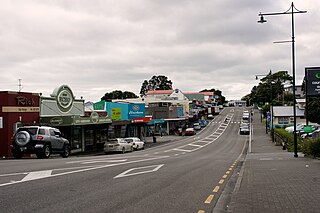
{"x":221,"y":99}
{"x":270,"y":89}
{"x":117,"y":94}
{"x":159,"y":82}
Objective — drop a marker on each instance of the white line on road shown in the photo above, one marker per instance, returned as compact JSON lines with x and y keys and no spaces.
{"x":88,"y":169}
{"x":146,"y":168}
{"x":191,"y":144}
{"x":37,"y":175}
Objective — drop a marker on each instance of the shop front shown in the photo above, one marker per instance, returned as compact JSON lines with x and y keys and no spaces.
{"x":128,"y":119}
{"x":16,"y":109}
{"x":86,"y":131}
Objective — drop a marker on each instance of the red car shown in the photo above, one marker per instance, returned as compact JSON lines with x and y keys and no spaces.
{"x":190,"y":131}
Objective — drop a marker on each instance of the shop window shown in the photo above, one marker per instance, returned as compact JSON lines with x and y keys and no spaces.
{"x":76,"y":138}
{"x":283,"y":120}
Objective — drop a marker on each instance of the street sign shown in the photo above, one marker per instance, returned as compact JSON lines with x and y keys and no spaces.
{"x":307,"y":129}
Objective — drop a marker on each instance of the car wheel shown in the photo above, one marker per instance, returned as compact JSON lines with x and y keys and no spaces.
{"x":137,"y":147}
{"x":66,"y":151}
{"x":142,"y":147}
{"x":131,"y":150}
{"x":47,"y":151}
{"x":17,"y":155}
{"x":123,"y":150}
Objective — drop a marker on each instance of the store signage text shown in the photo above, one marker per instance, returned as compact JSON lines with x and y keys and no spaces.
{"x":313,"y":81}
{"x":24,"y":101}
{"x":20,"y":109}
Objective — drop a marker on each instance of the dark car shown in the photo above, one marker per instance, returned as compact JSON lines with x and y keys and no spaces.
{"x":39,"y":140}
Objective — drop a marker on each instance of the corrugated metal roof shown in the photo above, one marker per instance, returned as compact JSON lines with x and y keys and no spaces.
{"x":286,"y":111}
{"x":198,"y":97}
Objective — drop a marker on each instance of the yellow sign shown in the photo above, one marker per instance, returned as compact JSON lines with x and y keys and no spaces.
{"x":20,"y":109}
{"x":116,"y":114}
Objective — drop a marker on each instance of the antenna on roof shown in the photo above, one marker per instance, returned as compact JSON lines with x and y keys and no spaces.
{"x":20,"y":85}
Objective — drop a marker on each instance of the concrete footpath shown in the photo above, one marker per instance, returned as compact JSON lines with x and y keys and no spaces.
{"x":273,"y":180}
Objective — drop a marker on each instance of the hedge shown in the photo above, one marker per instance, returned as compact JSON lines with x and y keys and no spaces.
{"x":311,"y":147}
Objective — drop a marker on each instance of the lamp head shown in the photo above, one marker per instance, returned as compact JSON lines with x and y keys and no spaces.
{"x":261,"y":19}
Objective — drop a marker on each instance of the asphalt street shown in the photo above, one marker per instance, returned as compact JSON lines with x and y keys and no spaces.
{"x":183,"y":175}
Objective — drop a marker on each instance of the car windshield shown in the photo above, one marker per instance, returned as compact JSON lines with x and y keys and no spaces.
{"x":31,"y":131}
{"x":129,"y":140}
{"x":112,"y":141}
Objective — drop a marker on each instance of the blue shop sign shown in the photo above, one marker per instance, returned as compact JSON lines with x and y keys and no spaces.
{"x":136,"y":111}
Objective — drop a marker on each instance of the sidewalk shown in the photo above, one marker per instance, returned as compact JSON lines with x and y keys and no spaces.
{"x":160,"y":140}
{"x":272,"y":180}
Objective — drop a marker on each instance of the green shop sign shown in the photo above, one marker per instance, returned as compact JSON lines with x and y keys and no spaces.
{"x":75,"y":120}
{"x":99,"y":105}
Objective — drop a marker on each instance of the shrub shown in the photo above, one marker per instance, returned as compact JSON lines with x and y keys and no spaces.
{"x":311,"y":147}
{"x":288,"y":138}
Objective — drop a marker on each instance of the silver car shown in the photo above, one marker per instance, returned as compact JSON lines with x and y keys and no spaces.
{"x":117,"y":145}
{"x":136,"y":142}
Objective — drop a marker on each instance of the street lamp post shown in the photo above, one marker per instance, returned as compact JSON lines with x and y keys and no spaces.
{"x":271,"y":110}
{"x":292,"y":10}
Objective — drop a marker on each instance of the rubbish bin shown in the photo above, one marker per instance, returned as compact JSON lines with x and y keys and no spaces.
{"x":154,"y":139}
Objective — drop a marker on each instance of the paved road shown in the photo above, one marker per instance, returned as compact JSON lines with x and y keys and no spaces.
{"x":186,"y":175}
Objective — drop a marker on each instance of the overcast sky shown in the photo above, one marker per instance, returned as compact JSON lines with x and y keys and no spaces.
{"x":99,"y":46}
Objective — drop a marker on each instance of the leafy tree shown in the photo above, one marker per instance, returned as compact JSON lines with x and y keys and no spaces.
{"x":117,"y":94}
{"x":221,"y":99}
{"x":159,"y":82}
{"x":270,"y":89}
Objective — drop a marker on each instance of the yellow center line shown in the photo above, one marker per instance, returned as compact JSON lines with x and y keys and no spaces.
{"x":209,"y":199}
{"x":216,"y":189}
{"x":221,"y":181}
{"x":228,"y":172}
{"x":224,"y":176}
{"x":201,"y":211}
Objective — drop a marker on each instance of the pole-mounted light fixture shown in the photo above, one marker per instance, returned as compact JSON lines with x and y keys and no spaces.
{"x":292,"y":10}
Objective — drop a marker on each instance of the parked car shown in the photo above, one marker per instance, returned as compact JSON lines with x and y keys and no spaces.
{"x":117,"y":145}
{"x":39,"y":140}
{"x":203,"y":123}
{"x":190,"y":131}
{"x":210,"y":116}
{"x":136,"y":142}
{"x":314,"y":134}
{"x":196,"y":126}
{"x":244,"y":130}
{"x":244,"y":124}
{"x":290,"y":129}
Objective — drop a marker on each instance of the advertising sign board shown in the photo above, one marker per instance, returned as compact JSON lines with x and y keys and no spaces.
{"x":313,"y":81}
{"x":116,"y":114}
